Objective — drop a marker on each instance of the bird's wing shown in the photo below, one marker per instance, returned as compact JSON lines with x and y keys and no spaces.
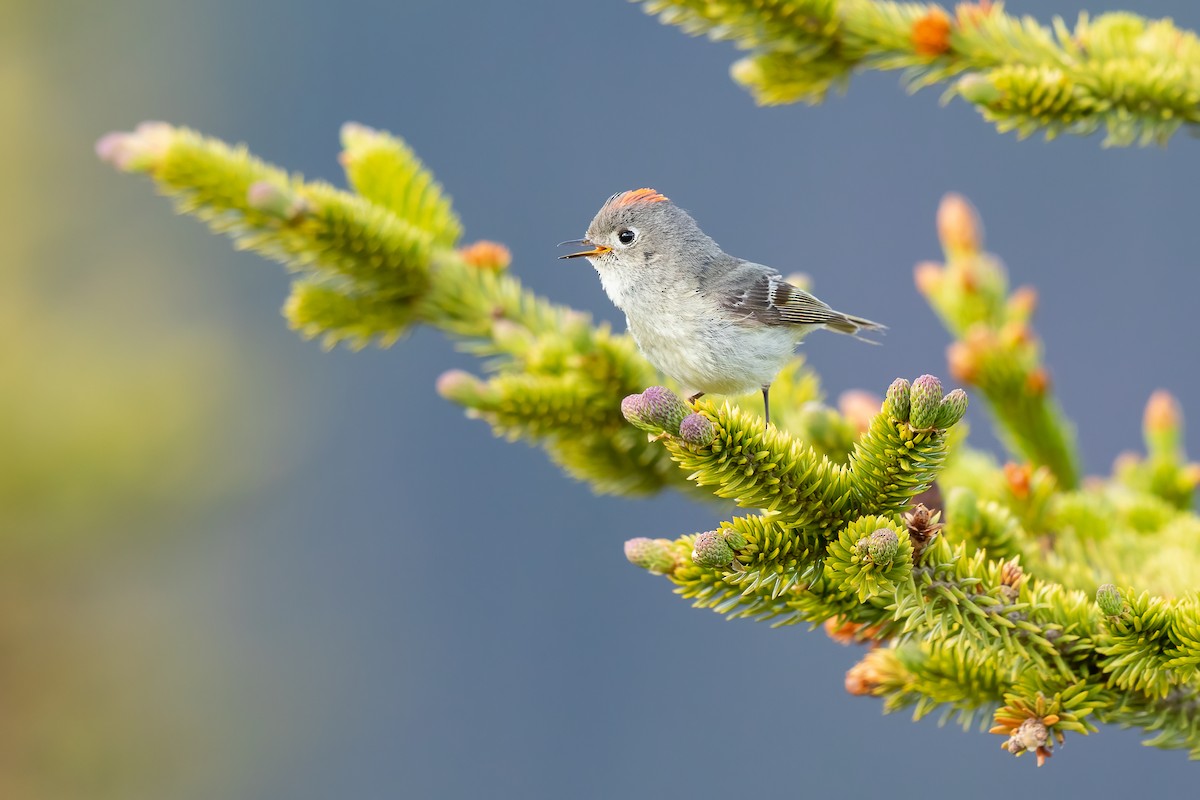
{"x":757,"y":294}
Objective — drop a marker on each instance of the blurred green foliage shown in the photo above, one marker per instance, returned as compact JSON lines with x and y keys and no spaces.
{"x":115,"y":409}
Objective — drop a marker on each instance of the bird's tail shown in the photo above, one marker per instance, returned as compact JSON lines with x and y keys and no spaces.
{"x":854,"y":326}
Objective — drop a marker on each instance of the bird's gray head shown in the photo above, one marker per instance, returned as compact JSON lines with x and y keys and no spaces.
{"x":641,"y":238}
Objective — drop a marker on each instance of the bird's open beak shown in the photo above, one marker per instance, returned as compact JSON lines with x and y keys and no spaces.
{"x":597,"y":249}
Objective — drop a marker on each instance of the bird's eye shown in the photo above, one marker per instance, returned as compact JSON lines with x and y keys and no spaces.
{"x":626,"y":236}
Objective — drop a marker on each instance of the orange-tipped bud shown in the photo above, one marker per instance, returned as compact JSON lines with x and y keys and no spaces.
{"x":928,"y":277}
{"x":856,"y":683}
{"x":1011,"y":573}
{"x":1038,"y":382}
{"x":963,"y":363}
{"x":931,"y":33}
{"x":1163,"y":414}
{"x":1018,"y":476}
{"x":843,"y":631}
{"x":486,"y":255}
{"x":867,"y":675}
{"x":1162,"y":425}
{"x":1015,"y":334}
{"x":959,"y":227}
{"x":1023,"y":302}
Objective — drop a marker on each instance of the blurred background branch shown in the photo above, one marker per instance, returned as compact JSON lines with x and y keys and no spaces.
{"x":1136,"y":79}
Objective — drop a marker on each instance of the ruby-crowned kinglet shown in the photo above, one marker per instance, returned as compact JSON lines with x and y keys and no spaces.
{"x":713,"y":322}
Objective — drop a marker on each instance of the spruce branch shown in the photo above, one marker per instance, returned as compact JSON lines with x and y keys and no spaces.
{"x":1138,"y":79}
{"x":831,"y":536}
{"x":768,"y":469}
{"x":373,"y":264}
{"x":1000,"y":602}
{"x":1165,"y":470}
{"x":997,"y":350}
{"x":968,"y":629}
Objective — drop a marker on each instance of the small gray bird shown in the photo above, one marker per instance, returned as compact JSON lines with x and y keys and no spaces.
{"x":713,"y":322}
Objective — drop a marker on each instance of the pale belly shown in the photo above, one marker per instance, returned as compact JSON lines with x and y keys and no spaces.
{"x":717,"y":358}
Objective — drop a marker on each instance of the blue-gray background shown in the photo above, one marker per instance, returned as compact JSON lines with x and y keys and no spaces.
{"x":412,"y":608}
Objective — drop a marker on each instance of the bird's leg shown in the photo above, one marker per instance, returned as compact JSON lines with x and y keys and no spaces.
{"x":695,"y":397}
{"x":767,"y":404}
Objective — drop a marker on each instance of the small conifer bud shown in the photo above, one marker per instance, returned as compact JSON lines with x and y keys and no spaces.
{"x":958,"y":226}
{"x":712,"y":551}
{"x":919,"y":517}
{"x":856,"y":682}
{"x":1015,"y":334}
{"x":928,"y":277}
{"x":663,"y":408}
{"x":841,"y":630}
{"x":1162,"y":412}
{"x":111,"y":148}
{"x":931,"y":33}
{"x":923,"y":526}
{"x":1023,"y":302}
{"x":734,"y":539}
{"x":1163,"y":423}
{"x":1108,"y":597}
{"x":865,"y":676}
{"x":633,"y":408}
{"x":1032,"y":734}
{"x":926,"y":399}
{"x":139,"y":151}
{"x":457,"y":385}
{"x":954,"y":405}
{"x":268,"y":197}
{"x":1011,"y":573}
{"x":963,"y":363}
{"x":652,"y":554}
{"x":746,"y":72}
{"x":355,"y":132}
{"x":883,"y":545}
{"x":696,"y":430}
{"x":276,"y":201}
{"x":486,"y":255}
{"x":897,"y":404}
{"x":1019,"y":477}
{"x":977,"y":89}
{"x":1037,"y":382}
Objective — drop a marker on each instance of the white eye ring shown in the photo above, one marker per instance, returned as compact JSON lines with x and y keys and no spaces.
{"x":627,"y":236}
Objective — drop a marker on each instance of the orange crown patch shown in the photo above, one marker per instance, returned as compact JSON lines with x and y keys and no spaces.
{"x":635,"y":197}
